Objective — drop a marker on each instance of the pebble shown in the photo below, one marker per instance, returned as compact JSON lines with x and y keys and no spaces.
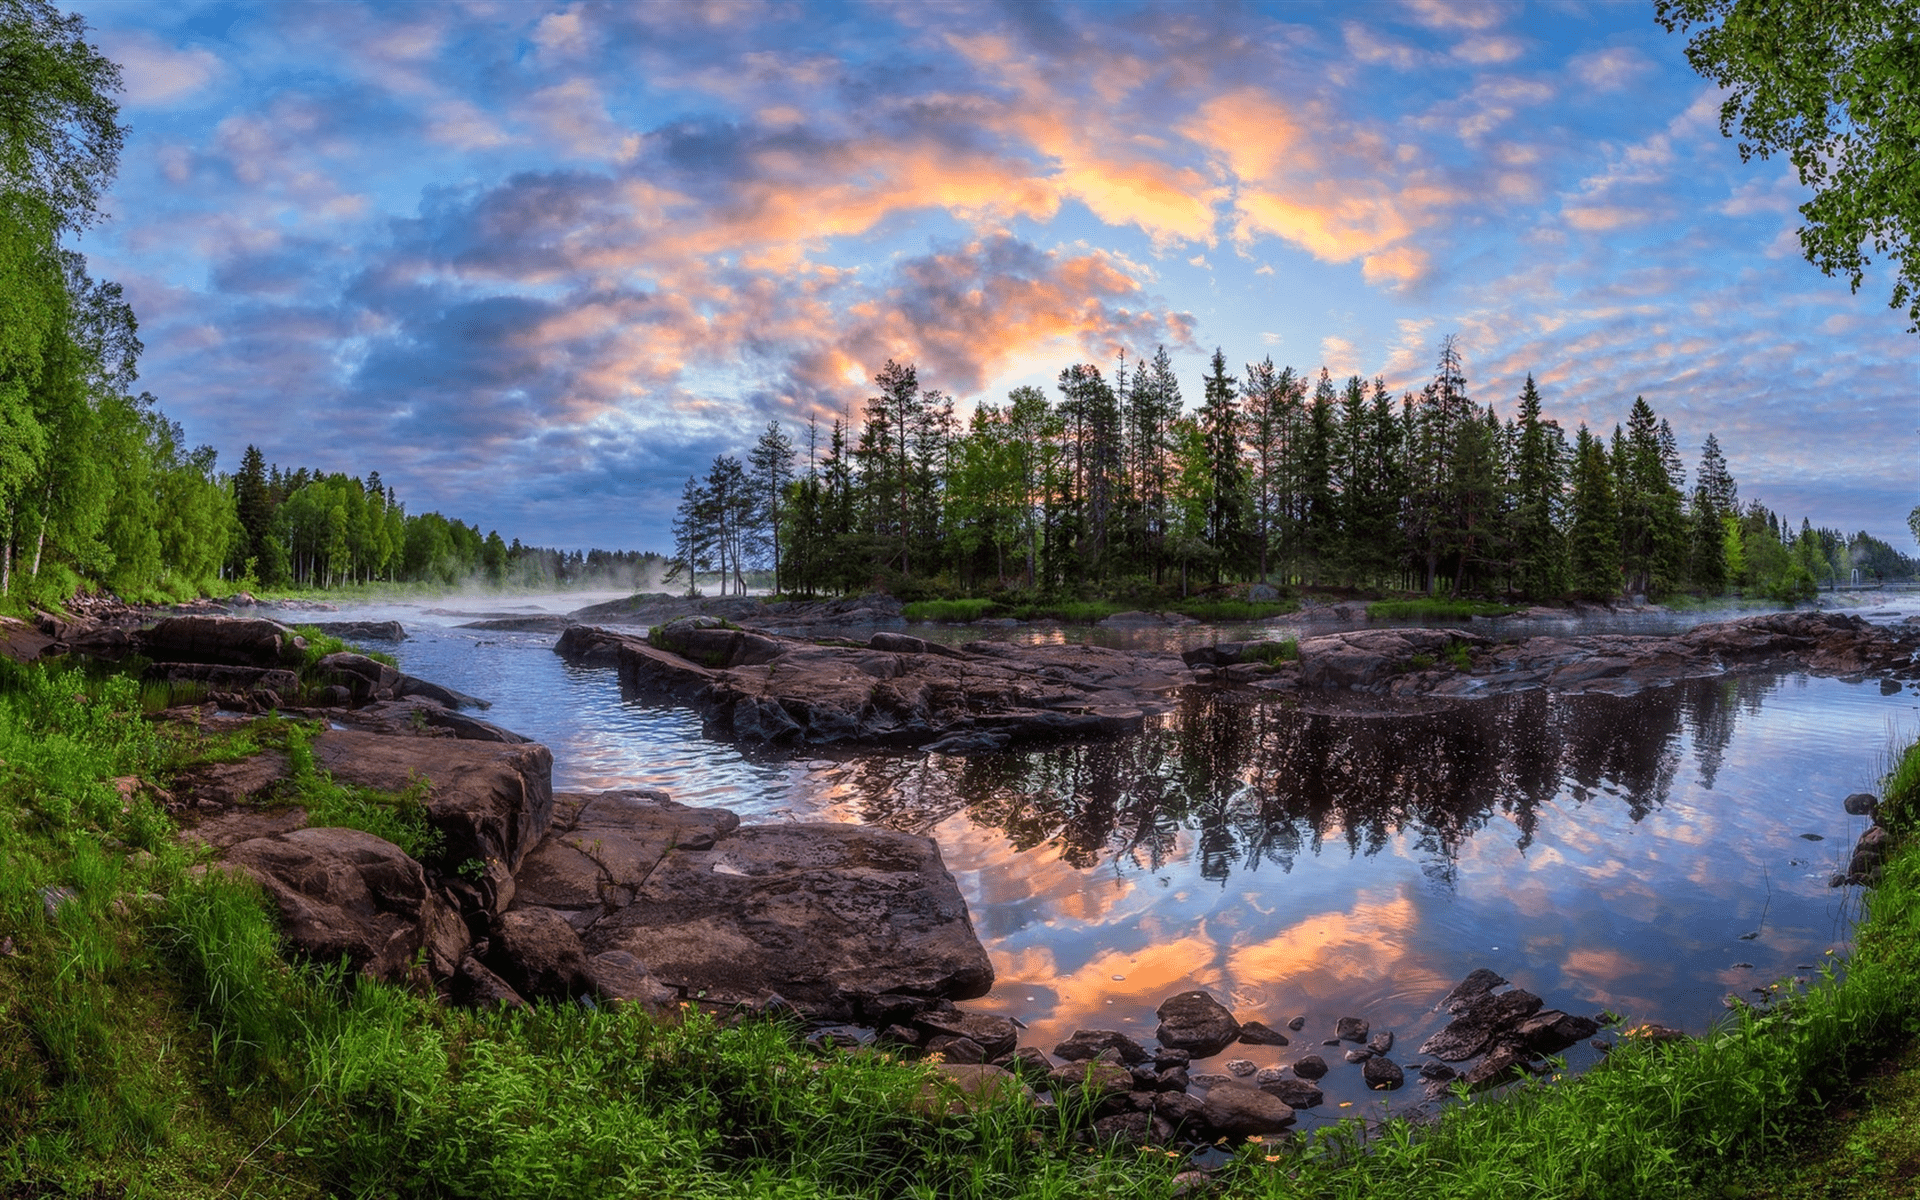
{"x":1270,"y":1075}
{"x":1210,"y":1079}
{"x":1297,"y":1024}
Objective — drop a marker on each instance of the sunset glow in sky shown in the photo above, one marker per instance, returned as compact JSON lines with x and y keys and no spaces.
{"x":537,"y":263}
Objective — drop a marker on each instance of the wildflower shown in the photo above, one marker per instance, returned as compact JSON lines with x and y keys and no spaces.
{"x":1273,"y":1158}
{"x":1346,"y":1104}
{"x":1255,"y":1138}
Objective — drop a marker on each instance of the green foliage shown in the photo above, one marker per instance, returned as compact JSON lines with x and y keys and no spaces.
{"x":1460,"y":655}
{"x":949,"y":610}
{"x":399,"y":817}
{"x":1286,"y":650}
{"x":1436,"y":609}
{"x":1834,"y":87}
{"x":319,"y":645}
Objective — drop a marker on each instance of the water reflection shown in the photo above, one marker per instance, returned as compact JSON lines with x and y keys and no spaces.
{"x":1237,"y":783}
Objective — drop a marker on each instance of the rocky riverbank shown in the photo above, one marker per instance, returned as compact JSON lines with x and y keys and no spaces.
{"x":892,"y":690}
{"x":1451,"y":664}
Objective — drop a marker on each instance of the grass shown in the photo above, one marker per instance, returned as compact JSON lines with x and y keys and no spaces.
{"x":1436,"y":609}
{"x":156,"y":1042}
{"x":949,"y":610}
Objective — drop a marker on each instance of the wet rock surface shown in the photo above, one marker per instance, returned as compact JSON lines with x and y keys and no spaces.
{"x":1197,"y":1023}
{"x":894,"y":690}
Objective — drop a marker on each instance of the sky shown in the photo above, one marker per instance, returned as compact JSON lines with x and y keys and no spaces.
{"x":538,"y":263}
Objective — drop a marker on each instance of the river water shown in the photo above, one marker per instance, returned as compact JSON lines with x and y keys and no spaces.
{"x":1649,"y":855}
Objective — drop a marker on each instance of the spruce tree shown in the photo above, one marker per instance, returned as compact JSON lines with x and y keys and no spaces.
{"x":1594,"y":538}
{"x":1220,"y":425}
{"x":1540,"y":480}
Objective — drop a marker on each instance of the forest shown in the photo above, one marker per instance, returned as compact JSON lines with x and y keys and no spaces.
{"x":1278,"y":477}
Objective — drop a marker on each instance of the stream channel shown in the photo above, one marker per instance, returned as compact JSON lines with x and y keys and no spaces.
{"x":1649,"y":855}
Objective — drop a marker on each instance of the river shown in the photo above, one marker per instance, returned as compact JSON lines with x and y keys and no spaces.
{"x":1649,"y":855}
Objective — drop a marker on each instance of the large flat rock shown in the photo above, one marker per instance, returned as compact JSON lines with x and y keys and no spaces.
{"x":821,"y":914}
{"x":602,"y":848}
{"x":896,"y":690}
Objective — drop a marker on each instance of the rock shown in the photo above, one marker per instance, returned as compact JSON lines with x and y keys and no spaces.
{"x":1235,"y":1110}
{"x":363,"y":631}
{"x":53,"y":899}
{"x":1358,"y":1056}
{"x":474,"y":986}
{"x":1240,"y":1068}
{"x":231,"y":641}
{"x":1552,"y":1031}
{"x":1381,"y":1074}
{"x":1437,"y":1072}
{"x":1297,"y":1024}
{"x":410,"y":685}
{"x":490,"y":803}
{"x":995,"y":1035}
{"x":1351,"y":1029}
{"x":620,"y":978}
{"x":1294,"y":1093}
{"x":344,"y":893}
{"x":600,"y":847}
{"x":1030,"y":1063}
{"x":1166,"y":1057}
{"x":1862,"y":804}
{"x":1478,"y":983}
{"x":956,"y":1049}
{"x":1380,"y":1043}
{"x":1253,"y":1033}
{"x":1310,"y":1067}
{"x":1478,"y":1023}
{"x":1197,"y":1023}
{"x":1089,"y":1043}
{"x":1869,"y":853}
{"x":826,"y":914}
{"x":415,"y":717}
{"x":1180,"y":1110}
{"x":1094,"y":1081}
{"x":1133,"y":1129}
{"x":1262,"y":593}
{"x":367,"y":678}
{"x":956,"y":1088}
{"x":264,"y":687}
{"x":1496,"y":1068}
{"x":897,"y":690}
{"x":540,"y":956}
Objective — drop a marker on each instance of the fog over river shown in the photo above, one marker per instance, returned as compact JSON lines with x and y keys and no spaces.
{"x":1603,"y":852}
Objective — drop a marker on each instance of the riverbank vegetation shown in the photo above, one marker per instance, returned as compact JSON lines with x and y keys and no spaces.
{"x":155,"y":1042}
{"x":1279,"y":477}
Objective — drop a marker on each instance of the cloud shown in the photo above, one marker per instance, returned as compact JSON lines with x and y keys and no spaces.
{"x":154,"y":73}
{"x":1610,"y":69}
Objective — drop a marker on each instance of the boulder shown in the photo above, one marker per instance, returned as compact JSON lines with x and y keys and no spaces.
{"x":363,"y":631}
{"x":415,"y":717}
{"x":600,"y":847}
{"x":265,"y":687}
{"x":540,"y":956}
{"x":1197,"y":1023}
{"x":1090,"y":1043}
{"x":1235,"y":1110}
{"x":1479,"y":1022}
{"x":590,"y":646}
{"x":490,"y":803}
{"x":231,"y":641}
{"x":1312,"y":1066}
{"x":1351,"y":1029}
{"x":1862,"y":804}
{"x":1478,"y":983}
{"x":474,"y":986}
{"x":1093,"y":1081}
{"x":1382,"y":1074}
{"x":1133,"y":1129}
{"x":1552,"y":1031}
{"x":620,"y":978}
{"x":1294,"y":1093}
{"x":995,"y":1035}
{"x":342,"y":893}
{"x":446,"y":697}
{"x":1381,"y":1043}
{"x":1253,"y":1033}
{"x":824,"y":914}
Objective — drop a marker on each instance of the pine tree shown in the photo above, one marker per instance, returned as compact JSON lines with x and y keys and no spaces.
{"x":1594,"y":539}
{"x":1220,"y":424}
{"x":1539,"y":548}
{"x":771,"y":464}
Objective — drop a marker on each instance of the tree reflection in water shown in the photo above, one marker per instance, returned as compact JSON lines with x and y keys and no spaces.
{"x":1253,"y":780}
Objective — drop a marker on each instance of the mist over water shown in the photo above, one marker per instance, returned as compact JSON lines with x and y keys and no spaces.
{"x":1603,"y":852}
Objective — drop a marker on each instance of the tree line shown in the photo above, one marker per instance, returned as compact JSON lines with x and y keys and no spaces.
{"x":314,"y":529}
{"x":1277,"y":476}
